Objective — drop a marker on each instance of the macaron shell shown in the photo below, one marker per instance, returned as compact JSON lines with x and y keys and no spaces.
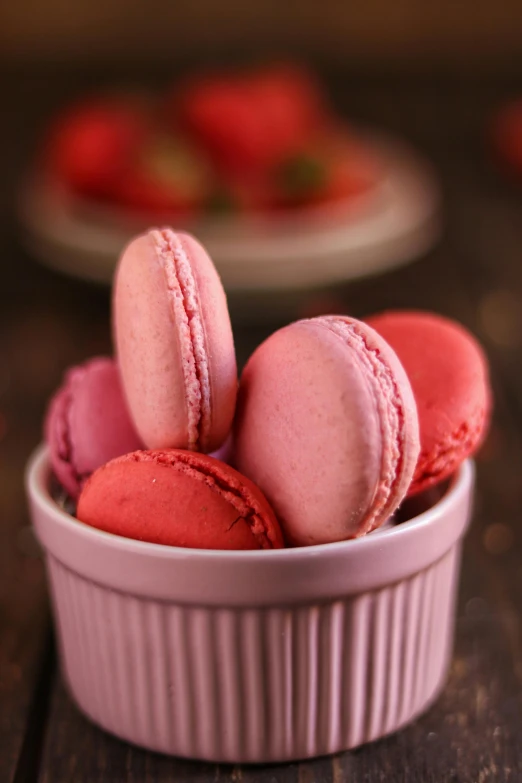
{"x":56,"y":433}
{"x":449,"y":376}
{"x":148,"y":347}
{"x":308,"y":432}
{"x":152,"y":350}
{"x":88,"y":423}
{"x":179,"y":499}
{"x":398,"y":417}
{"x":219,"y":342}
{"x":100,"y":425}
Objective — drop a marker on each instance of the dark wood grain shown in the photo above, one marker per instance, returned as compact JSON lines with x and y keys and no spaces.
{"x":24,"y":620}
{"x":40,"y":333}
{"x":474,"y":732}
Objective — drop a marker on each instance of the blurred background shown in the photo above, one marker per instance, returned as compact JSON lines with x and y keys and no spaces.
{"x":411,"y":32}
{"x":430,"y":77}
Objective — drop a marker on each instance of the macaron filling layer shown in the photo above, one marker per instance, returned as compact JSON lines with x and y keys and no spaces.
{"x":233,"y":492}
{"x":61,"y":421}
{"x":61,"y":431}
{"x":183,"y":294}
{"x":388,"y":401}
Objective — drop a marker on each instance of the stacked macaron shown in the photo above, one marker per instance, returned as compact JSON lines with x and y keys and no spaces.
{"x":336,"y":420}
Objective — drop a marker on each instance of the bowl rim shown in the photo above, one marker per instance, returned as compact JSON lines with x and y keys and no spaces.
{"x":226,"y":578}
{"x":37,"y":479}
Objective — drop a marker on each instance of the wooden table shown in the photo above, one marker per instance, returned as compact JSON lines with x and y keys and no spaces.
{"x":474,"y":732}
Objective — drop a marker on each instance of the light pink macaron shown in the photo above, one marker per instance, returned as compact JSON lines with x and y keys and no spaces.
{"x":88,"y":423}
{"x":174,"y":342}
{"x":327,"y":427}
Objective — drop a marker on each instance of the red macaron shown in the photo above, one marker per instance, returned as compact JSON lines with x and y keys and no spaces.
{"x":179,"y":498}
{"x":449,"y":376}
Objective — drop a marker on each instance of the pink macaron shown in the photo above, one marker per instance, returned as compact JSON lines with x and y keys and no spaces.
{"x":449,"y":375}
{"x":179,"y":498}
{"x":327,"y":427}
{"x":88,"y":423}
{"x":174,"y":342}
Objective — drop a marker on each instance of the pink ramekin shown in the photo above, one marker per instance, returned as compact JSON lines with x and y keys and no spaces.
{"x":254,"y":656}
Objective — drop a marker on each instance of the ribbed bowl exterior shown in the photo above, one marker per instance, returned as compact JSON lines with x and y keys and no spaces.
{"x":255,"y":683}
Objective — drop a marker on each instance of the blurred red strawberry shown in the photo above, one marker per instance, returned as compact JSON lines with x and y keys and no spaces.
{"x":168,"y":177}
{"x":336,"y":167}
{"x":93,"y":144}
{"x":248,"y":122}
{"x":507,"y":136}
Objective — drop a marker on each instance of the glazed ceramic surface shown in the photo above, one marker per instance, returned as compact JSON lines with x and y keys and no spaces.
{"x":256,"y":656}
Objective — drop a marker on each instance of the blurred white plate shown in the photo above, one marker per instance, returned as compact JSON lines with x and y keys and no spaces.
{"x":390,"y":226}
